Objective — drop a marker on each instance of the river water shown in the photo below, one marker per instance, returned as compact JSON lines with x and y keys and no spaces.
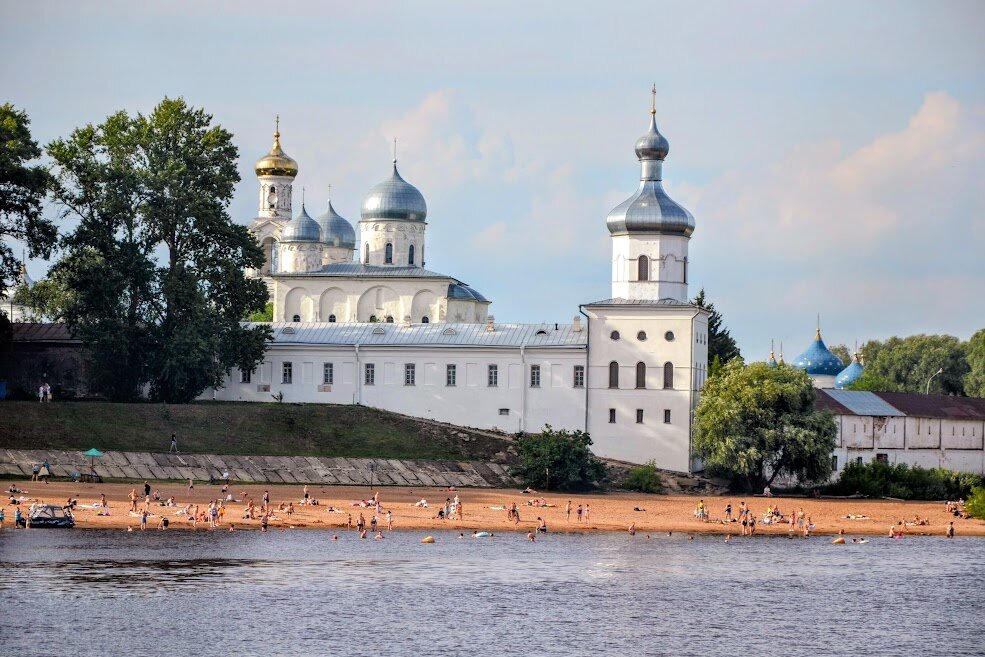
{"x":99,"y":592}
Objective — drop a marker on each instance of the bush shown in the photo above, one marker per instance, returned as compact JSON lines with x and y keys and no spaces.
{"x":880,"y":479}
{"x":975,"y":506}
{"x":644,"y":478}
{"x":558,"y":460}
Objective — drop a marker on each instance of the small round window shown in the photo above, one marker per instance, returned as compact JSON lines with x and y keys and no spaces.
{"x":614,"y":335}
{"x":669,"y":336}
{"x":641,"y":336}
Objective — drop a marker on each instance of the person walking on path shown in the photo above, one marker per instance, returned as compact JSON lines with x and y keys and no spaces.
{"x":174,"y":444}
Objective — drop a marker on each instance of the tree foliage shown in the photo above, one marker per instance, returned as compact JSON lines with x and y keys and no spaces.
{"x":558,"y":460}
{"x":842,"y":352}
{"x":756,"y":422}
{"x":156,"y":266}
{"x":906,"y":364}
{"x":720,"y":342}
{"x":879,"y":479}
{"x":975,"y":505}
{"x":974,"y":380}
{"x":47,"y":299}
{"x":22,"y":192}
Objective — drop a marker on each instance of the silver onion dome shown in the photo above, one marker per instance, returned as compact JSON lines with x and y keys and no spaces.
{"x":336,"y":229}
{"x":394,"y":198}
{"x":650,"y":209}
{"x":302,"y":228}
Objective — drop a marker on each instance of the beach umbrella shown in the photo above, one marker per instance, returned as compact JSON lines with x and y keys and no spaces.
{"x":92,"y":454}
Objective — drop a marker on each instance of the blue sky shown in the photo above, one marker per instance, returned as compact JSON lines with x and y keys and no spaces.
{"x":831,"y":153}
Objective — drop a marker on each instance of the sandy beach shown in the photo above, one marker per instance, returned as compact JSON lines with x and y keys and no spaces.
{"x":483,"y":510}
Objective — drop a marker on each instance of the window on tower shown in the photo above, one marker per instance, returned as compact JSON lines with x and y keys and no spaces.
{"x":366,"y":253}
{"x":640,"y":375}
{"x":668,"y":375}
{"x":410,"y":255}
{"x":388,"y":254}
{"x":613,"y":374}
{"x":643,"y":268}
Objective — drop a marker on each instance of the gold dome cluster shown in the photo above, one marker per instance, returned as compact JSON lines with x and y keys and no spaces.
{"x":276,"y":162}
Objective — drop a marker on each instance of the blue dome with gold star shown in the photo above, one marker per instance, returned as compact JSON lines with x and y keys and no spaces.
{"x":818,"y":360}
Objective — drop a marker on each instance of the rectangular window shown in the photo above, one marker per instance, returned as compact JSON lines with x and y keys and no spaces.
{"x":504,"y":411}
{"x":287,"y":372}
{"x":579,"y":376}
{"x":858,"y":460}
{"x":370,"y":374}
{"x":639,"y":416}
{"x":834,"y":463}
{"x":328,"y":374}
{"x":494,"y":377}
{"x":612,"y":416}
{"x":450,"y":375}
{"x":666,"y":416}
{"x":882,"y":458}
{"x":245,"y":376}
{"x":535,"y":376}
{"x":410,"y":374}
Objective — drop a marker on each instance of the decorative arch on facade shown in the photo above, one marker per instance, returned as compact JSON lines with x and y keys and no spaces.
{"x":422,"y":305}
{"x":613,"y":374}
{"x":380,"y":301}
{"x":333,"y":302}
{"x":298,"y":302}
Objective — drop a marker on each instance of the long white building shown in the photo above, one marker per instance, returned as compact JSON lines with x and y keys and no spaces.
{"x":358,"y":319}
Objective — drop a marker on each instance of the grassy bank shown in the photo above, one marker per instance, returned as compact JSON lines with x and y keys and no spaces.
{"x":239,"y":428}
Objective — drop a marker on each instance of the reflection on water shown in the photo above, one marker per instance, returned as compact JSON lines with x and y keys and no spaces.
{"x":300,"y":593}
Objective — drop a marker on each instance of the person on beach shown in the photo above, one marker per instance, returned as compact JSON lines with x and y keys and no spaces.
{"x":102,"y":501}
{"x":728,"y":512}
{"x":133,"y":500}
{"x":266,"y":500}
{"x":2,"y":516}
{"x":174,"y":444}
{"x":567,"y":511}
{"x":373,"y":522}
{"x":306,"y":493}
{"x":264,"y":520}
{"x":146,"y":489}
{"x":361,"y":523}
{"x":950,"y":527}
{"x":632,"y":529}
{"x":143,"y":521}
{"x":578,"y":513}
{"x":541,"y":525}
{"x":588,"y":513}
{"x":191,"y":485}
{"x":163,"y":524}
{"x":389,"y":521}
{"x":531,"y":537}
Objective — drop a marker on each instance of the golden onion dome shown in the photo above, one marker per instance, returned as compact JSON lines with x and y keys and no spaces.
{"x":276,"y":162}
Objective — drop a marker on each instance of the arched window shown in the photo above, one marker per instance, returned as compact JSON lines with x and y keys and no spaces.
{"x":410,"y":255}
{"x":640,"y":375}
{"x":366,"y":253}
{"x":613,"y":374}
{"x":388,"y":254}
{"x":331,"y":319}
{"x":372,"y":319}
{"x":389,"y":319}
{"x":643,"y":268}
{"x":425,"y":320}
{"x":297,"y":318}
{"x":668,"y":375}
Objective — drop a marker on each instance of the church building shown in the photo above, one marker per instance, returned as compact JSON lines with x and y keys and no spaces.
{"x":359,"y":319}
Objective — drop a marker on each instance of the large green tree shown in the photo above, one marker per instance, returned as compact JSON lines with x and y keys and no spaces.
{"x":721,"y":345}
{"x":756,"y":422}
{"x":558,"y":460}
{"x":156,"y":266}
{"x":974,"y":380}
{"x":907,"y":364}
{"x":22,"y":191}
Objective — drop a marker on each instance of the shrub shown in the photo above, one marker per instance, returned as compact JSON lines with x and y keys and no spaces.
{"x":975,"y":505}
{"x":558,"y":460}
{"x":880,"y":479}
{"x":644,"y":478}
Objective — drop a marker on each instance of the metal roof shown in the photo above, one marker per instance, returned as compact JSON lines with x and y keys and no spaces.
{"x":463,"y":291}
{"x":369,"y":271}
{"x":861,"y":402}
{"x":939,"y":406}
{"x":37,"y":332}
{"x":451,"y":335}
{"x":618,"y":301}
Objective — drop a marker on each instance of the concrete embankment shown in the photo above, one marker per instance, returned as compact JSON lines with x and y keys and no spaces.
{"x":261,"y":469}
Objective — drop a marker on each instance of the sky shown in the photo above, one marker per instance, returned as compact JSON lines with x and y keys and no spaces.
{"x":832,"y":153}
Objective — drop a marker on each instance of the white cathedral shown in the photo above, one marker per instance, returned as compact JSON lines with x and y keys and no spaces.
{"x":361,"y":320}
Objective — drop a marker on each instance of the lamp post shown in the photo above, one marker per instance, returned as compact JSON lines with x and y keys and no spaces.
{"x":932,"y":378}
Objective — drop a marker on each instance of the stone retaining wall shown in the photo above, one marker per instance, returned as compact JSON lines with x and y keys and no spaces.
{"x":263,"y":469}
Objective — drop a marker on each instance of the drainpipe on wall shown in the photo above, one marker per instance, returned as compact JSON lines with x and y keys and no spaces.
{"x":588,"y":351}
{"x":690,"y":402}
{"x":358,"y":396}
{"x":523,"y":387}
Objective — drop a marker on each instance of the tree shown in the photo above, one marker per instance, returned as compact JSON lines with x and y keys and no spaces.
{"x":720,"y":343}
{"x":756,"y":422}
{"x":842,"y":352}
{"x":974,"y":380}
{"x":558,"y":460}
{"x":907,"y":364}
{"x":644,"y":478}
{"x":156,"y":266}
{"x":266,"y":315}
{"x":22,"y":191}
{"x":47,"y":299}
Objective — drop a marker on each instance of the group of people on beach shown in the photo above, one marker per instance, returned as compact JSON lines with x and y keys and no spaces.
{"x":797,"y":521}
